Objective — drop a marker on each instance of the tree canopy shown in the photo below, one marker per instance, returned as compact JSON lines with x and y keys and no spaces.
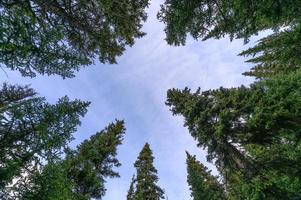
{"x":58,"y":37}
{"x":33,"y":130}
{"x":274,"y":54}
{"x":240,"y":19}
{"x":81,"y":175}
{"x":34,"y":137}
{"x":252,"y":134}
{"x":215,"y":19}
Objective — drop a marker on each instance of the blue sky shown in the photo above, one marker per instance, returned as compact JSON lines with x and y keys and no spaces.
{"x":135,"y":90}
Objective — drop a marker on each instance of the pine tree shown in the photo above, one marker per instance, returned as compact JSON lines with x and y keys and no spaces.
{"x":51,"y":183}
{"x":94,"y":160}
{"x":33,"y":135}
{"x":81,"y":174}
{"x":33,"y":131}
{"x":215,"y":118}
{"x":252,"y":134}
{"x":58,"y":37}
{"x":146,"y":187}
{"x":202,"y":184}
{"x":131,"y":191}
{"x":215,"y":19}
{"x":275,"y":54}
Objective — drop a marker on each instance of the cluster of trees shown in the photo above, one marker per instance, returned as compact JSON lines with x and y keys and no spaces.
{"x":58,"y":38}
{"x":251,"y":133}
{"x":35,"y":160}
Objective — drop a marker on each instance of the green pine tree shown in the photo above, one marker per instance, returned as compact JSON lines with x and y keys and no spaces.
{"x":251,"y":133}
{"x":275,"y":54}
{"x":81,"y":174}
{"x":202,"y":184}
{"x":51,"y":183}
{"x":32,"y":131}
{"x":58,"y":37}
{"x":146,"y":180}
{"x":215,"y":118}
{"x":215,"y":19}
{"x":131,"y":191}
{"x":33,"y":136}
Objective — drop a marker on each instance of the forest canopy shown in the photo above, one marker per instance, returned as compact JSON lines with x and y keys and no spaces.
{"x":250,"y":133}
{"x":60,"y":37}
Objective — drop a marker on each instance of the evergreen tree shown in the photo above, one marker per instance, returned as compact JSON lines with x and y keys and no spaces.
{"x":33,"y":135}
{"x":81,"y":174}
{"x":131,"y":191}
{"x":146,"y":187}
{"x":94,"y":160}
{"x":51,"y":183}
{"x":215,"y":19}
{"x":275,"y":54}
{"x":202,"y":184}
{"x":252,"y":134}
{"x":58,"y":37}
{"x":215,"y":118}
{"x":32,"y":131}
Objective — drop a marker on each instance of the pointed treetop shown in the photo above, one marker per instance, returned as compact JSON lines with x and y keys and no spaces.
{"x":146,"y":180}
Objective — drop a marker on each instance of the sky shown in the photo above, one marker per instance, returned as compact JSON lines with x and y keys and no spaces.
{"x":135,"y":91}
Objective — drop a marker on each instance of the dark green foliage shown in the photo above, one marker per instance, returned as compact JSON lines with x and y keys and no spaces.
{"x":81,"y":175}
{"x":202,"y":184}
{"x":146,"y":187}
{"x":252,"y":134}
{"x":50,"y":184}
{"x":216,"y":119}
{"x":278,"y":53}
{"x":58,"y":37}
{"x":94,"y":160}
{"x":32,"y":130}
{"x":33,"y":136}
{"x":217,"y":18}
{"x":131,"y":192}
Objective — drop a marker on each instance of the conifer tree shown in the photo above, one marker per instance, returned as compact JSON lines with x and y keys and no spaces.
{"x":81,"y":174}
{"x":146,"y":180}
{"x":33,"y":131}
{"x":33,"y":136}
{"x":131,"y":191}
{"x":48,"y":184}
{"x":58,"y":37}
{"x":202,"y":184}
{"x":215,"y":118}
{"x":252,"y":134}
{"x":215,"y":19}
{"x":275,"y":54}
